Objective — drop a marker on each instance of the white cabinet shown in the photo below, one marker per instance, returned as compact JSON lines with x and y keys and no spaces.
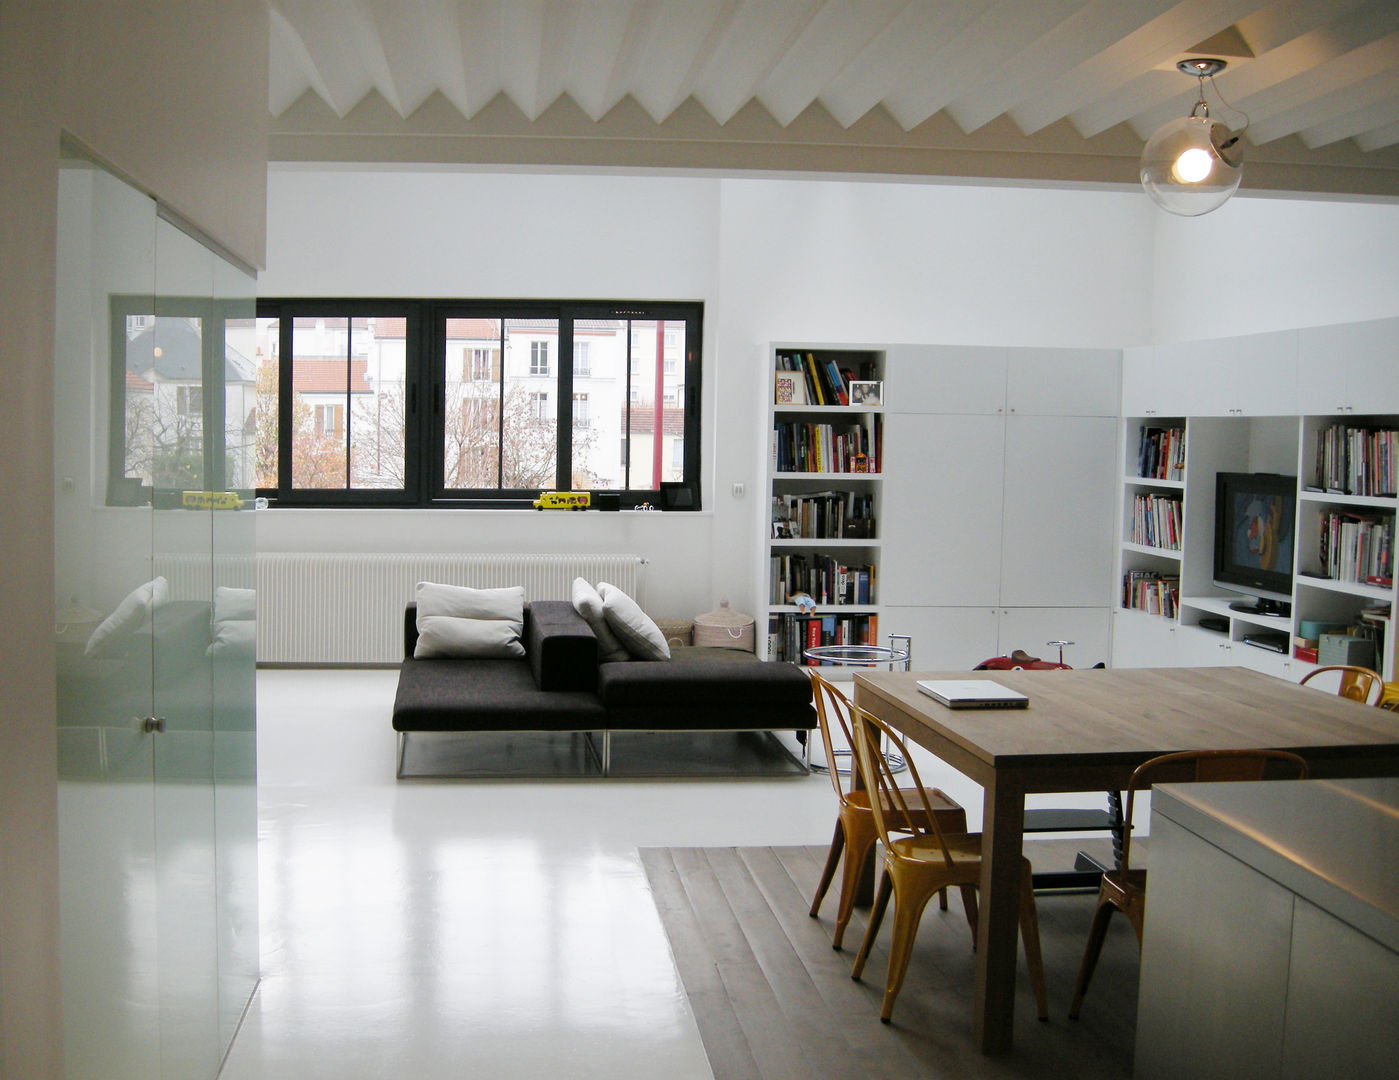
{"x":1352,"y":368}
{"x":1253,"y":375}
{"x":959,"y":638}
{"x":943,"y":507}
{"x":1057,"y":531}
{"x":945,"y":380}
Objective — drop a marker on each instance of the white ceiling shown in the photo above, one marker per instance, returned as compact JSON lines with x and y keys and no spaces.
{"x":1062,"y":90}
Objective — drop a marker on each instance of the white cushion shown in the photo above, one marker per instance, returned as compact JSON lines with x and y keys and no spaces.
{"x":235,"y":622}
{"x":231,"y":603}
{"x":633,"y":627}
{"x":235,"y":637}
{"x":479,"y":623}
{"x":588,"y":604}
{"x":133,"y":610}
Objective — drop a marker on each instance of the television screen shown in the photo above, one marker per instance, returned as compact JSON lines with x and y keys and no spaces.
{"x":1255,"y":524}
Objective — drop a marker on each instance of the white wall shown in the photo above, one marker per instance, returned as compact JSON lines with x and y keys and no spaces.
{"x":796,"y":260}
{"x":1259,"y":264}
{"x":771,"y":259}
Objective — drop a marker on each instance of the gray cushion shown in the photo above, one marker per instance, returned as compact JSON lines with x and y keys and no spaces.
{"x":486,"y":695}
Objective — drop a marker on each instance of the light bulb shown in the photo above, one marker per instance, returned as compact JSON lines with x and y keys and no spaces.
{"x":1192,"y":166}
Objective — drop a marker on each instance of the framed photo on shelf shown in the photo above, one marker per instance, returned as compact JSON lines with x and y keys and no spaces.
{"x":867,"y":392}
{"x":791,"y":388}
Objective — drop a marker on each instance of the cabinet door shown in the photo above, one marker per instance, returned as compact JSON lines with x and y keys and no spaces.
{"x":1032,"y":629}
{"x":1143,"y":641}
{"x":941,"y":514}
{"x":1063,"y":382}
{"x":1195,"y":379}
{"x":1060,"y":492}
{"x":945,"y":379}
{"x":1353,"y":367}
{"x":1264,"y":370}
{"x":943,"y":638}
{"x":1144,"y":392}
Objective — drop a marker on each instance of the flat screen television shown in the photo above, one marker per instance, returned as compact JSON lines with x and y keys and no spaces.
{"x":1255,"y":519}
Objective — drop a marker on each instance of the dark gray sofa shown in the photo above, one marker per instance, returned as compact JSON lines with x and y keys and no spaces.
{"x":560,"y":686}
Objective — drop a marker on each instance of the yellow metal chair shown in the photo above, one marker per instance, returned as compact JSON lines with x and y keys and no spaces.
{"x":918,"y":865}
{"x":855,"y":833}
{"x":1357,"y":683}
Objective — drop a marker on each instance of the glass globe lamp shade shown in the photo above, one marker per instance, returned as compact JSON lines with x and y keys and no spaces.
{"x":1192,"y":165}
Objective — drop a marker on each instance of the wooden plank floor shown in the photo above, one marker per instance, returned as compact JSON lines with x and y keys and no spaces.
{"x":774,"y":1001}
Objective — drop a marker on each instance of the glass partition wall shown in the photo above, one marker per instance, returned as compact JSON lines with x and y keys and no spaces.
{"x":154,"y":625}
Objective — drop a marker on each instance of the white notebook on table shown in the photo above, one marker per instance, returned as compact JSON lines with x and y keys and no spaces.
{"x":973,"y":694}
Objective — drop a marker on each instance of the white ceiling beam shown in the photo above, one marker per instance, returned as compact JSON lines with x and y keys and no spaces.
{"x":1382,"y":110}
{"x":1312,"y":96}
{"x":334,"y":39}
{"x":963,"y":57}
{"x":837,"y":33}
{"x":907,"y":57}
{"x":1154,"y":43}
{"x":756,"y":38}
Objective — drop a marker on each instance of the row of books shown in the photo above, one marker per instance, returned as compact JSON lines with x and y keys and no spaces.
{"x":1146,"y":590}
{"x":1357,"y":547}
{"x":1156,"y":521}
{"x":789,"y":635}
{"x":1357,"y":460}
{"x":821,"y":577}
{"x":1161,"y":453}
{"x":823,"y":515}
{"x":828,"y":448}
{"x":827,"y":383}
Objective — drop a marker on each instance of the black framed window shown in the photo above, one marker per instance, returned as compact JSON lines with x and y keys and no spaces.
{"x":181,"y":399}
{"x":477,"y":403}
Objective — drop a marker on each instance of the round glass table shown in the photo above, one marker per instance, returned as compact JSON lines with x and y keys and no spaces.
{"x":891,"y":657}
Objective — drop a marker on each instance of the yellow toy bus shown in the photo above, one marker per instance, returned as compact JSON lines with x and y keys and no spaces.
{"x":562,"y":500}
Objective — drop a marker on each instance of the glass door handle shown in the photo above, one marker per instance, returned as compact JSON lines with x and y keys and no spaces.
{"x":151,"y":725}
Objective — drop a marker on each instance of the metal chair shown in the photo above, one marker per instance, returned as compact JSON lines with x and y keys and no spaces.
{"x":1124,"y":889}
{"x":917,"y":866}
{"x":855,"y":832}
{"x":1357,"y":683}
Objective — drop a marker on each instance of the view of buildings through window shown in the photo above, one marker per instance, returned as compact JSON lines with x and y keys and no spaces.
{"x":498,"y":394}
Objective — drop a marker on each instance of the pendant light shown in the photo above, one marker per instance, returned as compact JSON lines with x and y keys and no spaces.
{"x":1192,"y":165}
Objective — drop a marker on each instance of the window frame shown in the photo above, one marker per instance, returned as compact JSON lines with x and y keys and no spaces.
{"x":425,"y":386}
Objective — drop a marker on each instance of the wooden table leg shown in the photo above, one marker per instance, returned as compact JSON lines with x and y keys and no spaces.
{"x":1002,"y":831}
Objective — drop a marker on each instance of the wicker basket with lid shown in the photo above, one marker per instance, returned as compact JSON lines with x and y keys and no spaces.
{"x":724,"y":629}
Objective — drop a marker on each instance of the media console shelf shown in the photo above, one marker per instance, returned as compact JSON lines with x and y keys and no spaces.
{"x":1170,"y":611}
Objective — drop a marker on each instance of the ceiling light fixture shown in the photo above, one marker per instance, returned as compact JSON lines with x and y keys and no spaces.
{"x":1192,"y":165}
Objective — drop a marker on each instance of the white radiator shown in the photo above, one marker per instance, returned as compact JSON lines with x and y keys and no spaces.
{"x":322,"y":608}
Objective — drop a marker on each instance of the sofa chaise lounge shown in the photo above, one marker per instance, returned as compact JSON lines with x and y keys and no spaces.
{"x":560,"y":685}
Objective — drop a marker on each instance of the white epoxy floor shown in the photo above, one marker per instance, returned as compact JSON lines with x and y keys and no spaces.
{"x":426,"y":929}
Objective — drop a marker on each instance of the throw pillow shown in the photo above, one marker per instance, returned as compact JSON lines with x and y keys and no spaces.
{"x":633,"y":627}
{"x":455,"y":621}
{"x":135,"y":607}
{"x":588,"y":604}
{"x":235,"y":622}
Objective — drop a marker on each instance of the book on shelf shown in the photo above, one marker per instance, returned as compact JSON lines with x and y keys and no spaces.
{"x":823,"y":515}
{"x":810,"y":447}
{"x":1157,"y":521}
{"x":1357,"y":460}
{"x":1161,"y":453}
{"x":1357,"y":547}
{"x":790,"y":635}
{"x":822,"y":577}
{"x":1151,"y":592}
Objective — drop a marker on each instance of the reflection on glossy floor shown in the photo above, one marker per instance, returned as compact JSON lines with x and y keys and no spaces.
{"x":450,"y":928}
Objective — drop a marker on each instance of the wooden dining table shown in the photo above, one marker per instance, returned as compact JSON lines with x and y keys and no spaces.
{"x":1086,"y":730}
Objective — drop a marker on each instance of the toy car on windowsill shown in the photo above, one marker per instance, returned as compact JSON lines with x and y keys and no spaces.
{"x":562,"y":500}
